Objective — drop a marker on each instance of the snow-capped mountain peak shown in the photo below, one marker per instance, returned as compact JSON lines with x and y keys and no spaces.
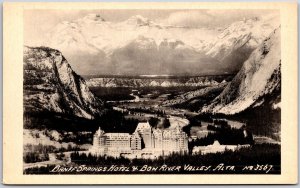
{"x":138,"y":20}
{"x":145,"y":43}
{"x":99,"y":39}
{"x":258,"y":77}
{"x":235,"y":43}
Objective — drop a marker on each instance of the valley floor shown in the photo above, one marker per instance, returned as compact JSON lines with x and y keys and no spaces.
{"x":144,"y":106}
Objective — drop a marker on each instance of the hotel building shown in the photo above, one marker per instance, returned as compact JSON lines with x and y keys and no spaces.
{"x":145,"y":142}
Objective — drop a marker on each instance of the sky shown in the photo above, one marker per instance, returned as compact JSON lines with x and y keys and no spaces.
{"x":38,"y":22}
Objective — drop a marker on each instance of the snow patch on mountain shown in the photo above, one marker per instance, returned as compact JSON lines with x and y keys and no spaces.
{"x":277,"y":105}
{"x":154,"y":83}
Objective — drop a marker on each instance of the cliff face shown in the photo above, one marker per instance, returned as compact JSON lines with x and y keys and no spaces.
{"x":259,"y":77}
{"x":50,"y":85}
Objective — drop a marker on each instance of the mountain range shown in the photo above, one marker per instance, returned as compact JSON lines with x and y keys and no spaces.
{"x":256,"y":85}
{"x":139,"y":45}
{"x":157,"y":82}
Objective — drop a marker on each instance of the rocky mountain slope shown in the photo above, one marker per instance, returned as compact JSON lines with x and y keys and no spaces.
{"x":193,"y":98}
{"x":155,"y":48}
{"x":50,"y":85}
{"x":258,"y":79}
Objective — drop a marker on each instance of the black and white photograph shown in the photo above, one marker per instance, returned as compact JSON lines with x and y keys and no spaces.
{"x":154,"y":91}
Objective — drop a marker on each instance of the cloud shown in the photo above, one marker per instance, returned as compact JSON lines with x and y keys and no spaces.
{"x":189,"y":18}
{"x":213,"y":18}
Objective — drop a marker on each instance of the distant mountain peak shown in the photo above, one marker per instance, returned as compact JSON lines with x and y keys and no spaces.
{"x":94,"y":17}
{"x":139,"y":20}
